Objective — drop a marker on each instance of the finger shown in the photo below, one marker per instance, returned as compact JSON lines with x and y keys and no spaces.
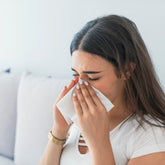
{"x":87,"y":96}
{"x":96,"y":99}
{"x":72,"y":83}
{"x":81,"y":99}
{"x":65,"y":90}
{"x":62,"y":94}
{"x":77,"y":106}
{"x":76,"y":79}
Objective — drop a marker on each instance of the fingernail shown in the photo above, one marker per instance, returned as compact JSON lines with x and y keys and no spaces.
{"x":77,"y":86}
{"x":80,"y":81}
{"x":74,"y":94}
{"x":86,"y":83}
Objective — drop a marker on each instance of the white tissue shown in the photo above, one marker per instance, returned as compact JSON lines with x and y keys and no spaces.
{"x":66,"y":106}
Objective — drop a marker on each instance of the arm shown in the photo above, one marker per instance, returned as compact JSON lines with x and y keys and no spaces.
{"x":150,"y":159}
{"x":94,"y":124}
{"x":52,"y":152}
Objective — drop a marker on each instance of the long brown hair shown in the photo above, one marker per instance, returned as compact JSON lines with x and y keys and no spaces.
{"x":117,"y":39}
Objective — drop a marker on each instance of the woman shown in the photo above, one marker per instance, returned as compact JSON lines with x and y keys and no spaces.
{"x":109,"y":54}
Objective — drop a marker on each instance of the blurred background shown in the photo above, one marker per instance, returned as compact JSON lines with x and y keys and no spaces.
{"x":35,"y":35}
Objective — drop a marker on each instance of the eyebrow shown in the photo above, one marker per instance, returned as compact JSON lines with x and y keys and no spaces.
{"x":88,"y":72}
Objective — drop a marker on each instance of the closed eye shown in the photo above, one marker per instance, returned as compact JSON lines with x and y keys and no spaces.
{"x":92,"y":79}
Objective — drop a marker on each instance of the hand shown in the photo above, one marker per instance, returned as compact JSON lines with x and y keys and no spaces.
{"x":92,"y":117}
{"x":60,"y":126}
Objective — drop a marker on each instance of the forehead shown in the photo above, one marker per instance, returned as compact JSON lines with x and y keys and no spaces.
{"x":85,"y":60}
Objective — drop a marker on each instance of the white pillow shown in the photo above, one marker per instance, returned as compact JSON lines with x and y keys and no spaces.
{"x":36,"y":96}
{"x":8,"y":99}
{"x":6,"y":161}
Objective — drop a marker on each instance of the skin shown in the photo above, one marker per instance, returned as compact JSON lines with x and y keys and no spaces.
{"x":93,"y":119}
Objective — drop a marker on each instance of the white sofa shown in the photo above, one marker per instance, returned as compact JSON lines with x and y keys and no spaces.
{"x":26,"y":116}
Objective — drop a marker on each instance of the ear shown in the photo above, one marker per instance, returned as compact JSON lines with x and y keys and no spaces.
{"x":129,"y":71}
{"x":133,"y":65}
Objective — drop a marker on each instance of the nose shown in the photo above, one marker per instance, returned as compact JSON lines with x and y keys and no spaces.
{"x":80,"y":77}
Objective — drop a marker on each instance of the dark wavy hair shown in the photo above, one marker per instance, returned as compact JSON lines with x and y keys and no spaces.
{"x":117,"y":39}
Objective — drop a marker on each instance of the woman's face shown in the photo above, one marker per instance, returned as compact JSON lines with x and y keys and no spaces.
{"x":99,"y":73}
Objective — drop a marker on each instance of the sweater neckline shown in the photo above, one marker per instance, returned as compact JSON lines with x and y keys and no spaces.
{"x":117,"y":127}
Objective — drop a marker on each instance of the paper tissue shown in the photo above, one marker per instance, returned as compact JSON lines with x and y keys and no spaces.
{"x":66,"y":106}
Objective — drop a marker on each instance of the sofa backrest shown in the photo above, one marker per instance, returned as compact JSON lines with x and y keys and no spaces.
{"x":8,"y":99}
{"x":36,"y":96}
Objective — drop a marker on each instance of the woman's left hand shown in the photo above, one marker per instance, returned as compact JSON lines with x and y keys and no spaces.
{"x":92,"y":117}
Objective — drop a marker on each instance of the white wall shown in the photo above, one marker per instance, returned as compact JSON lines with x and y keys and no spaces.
{"x":36,"y":34}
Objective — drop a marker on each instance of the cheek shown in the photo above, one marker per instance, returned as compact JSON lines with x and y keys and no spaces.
{"x":110,"y":88}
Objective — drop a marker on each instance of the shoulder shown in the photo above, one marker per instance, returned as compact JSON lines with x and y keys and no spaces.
{"x":146,"y":128}
{"x":145,"y":139}
{"x":134,"y":125}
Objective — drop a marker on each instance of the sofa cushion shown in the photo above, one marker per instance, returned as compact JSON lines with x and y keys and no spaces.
{"x":36,"y":96}
{"x":8,"y":99}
